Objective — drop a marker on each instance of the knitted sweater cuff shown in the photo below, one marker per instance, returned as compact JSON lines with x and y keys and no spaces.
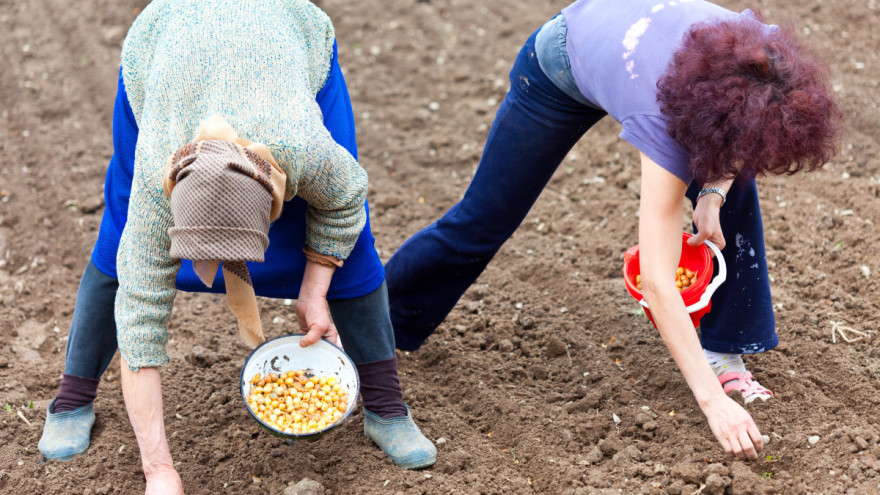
{"x":322,"y":259}
{"x":336,"y":240}
{"x":146,"y":355}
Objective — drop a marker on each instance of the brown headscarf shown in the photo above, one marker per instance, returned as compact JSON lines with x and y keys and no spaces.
{"x":225,"y":191}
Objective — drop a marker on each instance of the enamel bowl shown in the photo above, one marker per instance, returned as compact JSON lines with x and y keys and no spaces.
{"x":284,"y":354}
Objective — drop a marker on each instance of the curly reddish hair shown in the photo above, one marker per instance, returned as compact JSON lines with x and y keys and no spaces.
{"x":746,"y":102}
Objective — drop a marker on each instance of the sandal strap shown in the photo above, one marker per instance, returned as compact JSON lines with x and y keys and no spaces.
{"x":742,"y":382}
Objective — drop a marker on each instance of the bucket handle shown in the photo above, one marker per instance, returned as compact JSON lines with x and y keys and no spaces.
{"x":710,"y":290}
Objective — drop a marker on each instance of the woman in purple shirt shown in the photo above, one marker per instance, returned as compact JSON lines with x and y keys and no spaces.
{"x":711,"y":99}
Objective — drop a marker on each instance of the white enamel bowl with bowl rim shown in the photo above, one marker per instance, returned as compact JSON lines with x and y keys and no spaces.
{"x":321,"y":359}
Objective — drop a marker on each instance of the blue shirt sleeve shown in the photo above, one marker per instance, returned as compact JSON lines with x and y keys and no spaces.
{"x":117,"y":185}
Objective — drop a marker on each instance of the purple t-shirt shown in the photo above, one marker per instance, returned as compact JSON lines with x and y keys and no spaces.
{"x":619,"y":49}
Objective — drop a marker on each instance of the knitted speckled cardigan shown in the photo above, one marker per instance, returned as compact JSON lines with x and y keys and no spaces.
{"x":259,"y":65}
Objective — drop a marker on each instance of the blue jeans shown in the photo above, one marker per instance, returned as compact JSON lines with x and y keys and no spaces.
{"x":536,"y":125}
{"x":91,"y":342}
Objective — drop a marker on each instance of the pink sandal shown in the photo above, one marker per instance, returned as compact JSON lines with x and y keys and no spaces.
{"x":743,"y":382}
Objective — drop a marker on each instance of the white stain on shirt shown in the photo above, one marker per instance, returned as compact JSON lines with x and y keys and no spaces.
{"x":631,"y":41}
{"x":657,"y":8}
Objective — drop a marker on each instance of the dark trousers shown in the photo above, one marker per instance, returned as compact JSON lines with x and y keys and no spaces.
{"x":535,"y":127}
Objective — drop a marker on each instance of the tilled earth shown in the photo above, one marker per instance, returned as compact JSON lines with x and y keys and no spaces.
{"x":546,"y":378}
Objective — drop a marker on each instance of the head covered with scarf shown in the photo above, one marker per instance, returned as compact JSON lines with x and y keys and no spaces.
{"x":225,"y":191}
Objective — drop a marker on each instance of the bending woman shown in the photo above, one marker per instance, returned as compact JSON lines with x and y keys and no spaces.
{"x":276,"y":131}
{"x":711,"y":99}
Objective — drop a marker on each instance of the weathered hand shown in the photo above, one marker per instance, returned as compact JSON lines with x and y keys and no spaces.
{"x":734,"y":428}
{"x":313,"y":317}
{"x":163,"y":480}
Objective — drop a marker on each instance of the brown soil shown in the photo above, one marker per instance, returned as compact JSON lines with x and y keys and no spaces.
{"x":521,"y":386}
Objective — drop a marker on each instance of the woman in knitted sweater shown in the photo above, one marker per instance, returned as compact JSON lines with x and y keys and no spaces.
{"x":276,"y":130}
{"x":711,"y":99}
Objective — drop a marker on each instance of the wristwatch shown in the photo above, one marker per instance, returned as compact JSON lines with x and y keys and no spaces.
{"x":716,"y":190}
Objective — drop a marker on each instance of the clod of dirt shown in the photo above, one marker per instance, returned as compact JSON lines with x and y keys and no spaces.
{"x":433,"y":358}
{"x":556,"y":348}
{"x":716,"y":484}
{"x":610,"y":445}
{"x":591,"y":401}
{"x":716,"y":469}
{"x":386,"y":201}
{"x":689,"y":472}
{"x":91,"y":205}
{"x":201,"y":357}
{"x":642,"y":418}
{"x":630,"y":452}
{"x":305,"y":486}
{"x":595,"y":455}
{"x":860,"y":444}
{"x":455,"y":461}
{"x":827,"y":221}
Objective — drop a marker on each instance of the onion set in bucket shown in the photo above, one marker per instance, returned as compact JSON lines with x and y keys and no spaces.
{"x":284,"y":354}
{"x":698,"y":296}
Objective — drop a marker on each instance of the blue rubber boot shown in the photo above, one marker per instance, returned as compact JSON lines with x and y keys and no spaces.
{"x":66,"y":434}
{"x":401,"y":440}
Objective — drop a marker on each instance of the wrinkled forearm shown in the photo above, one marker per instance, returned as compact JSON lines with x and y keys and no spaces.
{"x":142,"y":391}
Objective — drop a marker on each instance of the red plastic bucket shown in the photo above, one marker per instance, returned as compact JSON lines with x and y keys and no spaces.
{"x":698,"y":296}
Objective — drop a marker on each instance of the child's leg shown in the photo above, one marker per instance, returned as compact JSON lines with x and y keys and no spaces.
{"x":741,"y":320}
{"x":535,"y":127}
{"x":364,"y":327}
